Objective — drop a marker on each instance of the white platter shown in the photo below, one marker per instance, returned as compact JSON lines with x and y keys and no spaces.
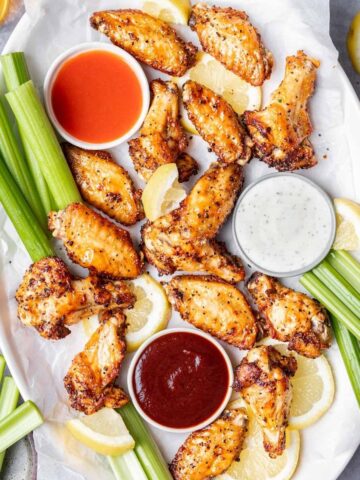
{"x":328,"y":445}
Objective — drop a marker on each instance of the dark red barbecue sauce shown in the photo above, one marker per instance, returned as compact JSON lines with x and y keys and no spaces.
{"x":180,"y":380}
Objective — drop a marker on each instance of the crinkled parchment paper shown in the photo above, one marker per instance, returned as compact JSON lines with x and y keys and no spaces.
{"x":49,"y":28}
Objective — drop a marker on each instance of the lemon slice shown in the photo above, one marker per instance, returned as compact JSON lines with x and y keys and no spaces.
{"x":171,"y":11}
{"x":163,"y":192}
{"x":353,"y":42}
{"x":348,"y":225}
{"x":4,"y":8}
{"x":104,"y":432}
{"x":255,"y":463}
{"x":211,"y":73}
{"x":150,"y":313}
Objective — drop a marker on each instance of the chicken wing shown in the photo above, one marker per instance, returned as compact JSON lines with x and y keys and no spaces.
{"x":217,"y":123}
{"x":214,"y":306}
{"x":49,"y":298}
{"x":162,"y":138}
{"x":291,"y":316}
{"x":209,"y":452}
{"x":263,"y":379}
{"x":105,"y":184}
{"x":94,"y":242}
{"x":184,"y":238}
{"x":227,"y":35}
{"x":90,"y":379}
{"x":150,"y":40}
{"x":281,"y":130}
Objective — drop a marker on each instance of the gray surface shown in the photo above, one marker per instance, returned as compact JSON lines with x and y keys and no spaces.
{"x":342,"y":11}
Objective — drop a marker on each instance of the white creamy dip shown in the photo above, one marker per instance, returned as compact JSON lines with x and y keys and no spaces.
{"x":284,"y":224}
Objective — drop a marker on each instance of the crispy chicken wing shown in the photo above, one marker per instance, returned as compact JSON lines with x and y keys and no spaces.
{"x":184,"y":238}
{"x":263,"y":379}
{"x":94,"y":242}
{"x":291,"y":316}
{"x":162,"y":138}
{"x":209,"y":452}
{"x":281,"y":130}
{"x":90,"y":379}
{"x":217,"y":123}
{"x":150,"y":40}
{"x":105,"y":184}
{"x":49,"y":298}
{"x":227,"y":35}
{"x":214,"y":306}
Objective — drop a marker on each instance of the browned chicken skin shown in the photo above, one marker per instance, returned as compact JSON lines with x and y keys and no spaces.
{"x":214,"y":306}
{"x":49,"y":298}
{"x":291,"y":316}
{"x":150,"y":40}
{"x":263,"y":379}
{"x":94,"y":242}
{"x":184,"y":238}
{"x":217,"y":123}
{"x":105,"y":184}
{"x":281,"y":130}
{"x":162,"y":138}
{"x":227,"y":35}
{"x":90,"y":379}
{"x":209,"y":452}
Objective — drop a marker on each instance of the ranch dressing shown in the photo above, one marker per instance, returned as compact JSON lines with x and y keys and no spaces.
{"x":284,"y":224}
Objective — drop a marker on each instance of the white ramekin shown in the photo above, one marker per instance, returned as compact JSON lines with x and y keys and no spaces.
{"x":86,"y":47}
{"x":138,"y":355}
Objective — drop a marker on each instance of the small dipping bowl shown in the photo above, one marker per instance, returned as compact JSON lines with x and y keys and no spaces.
{"x":96,"y":95}
{"x":180,"y":380}
{"x":284,"y":224}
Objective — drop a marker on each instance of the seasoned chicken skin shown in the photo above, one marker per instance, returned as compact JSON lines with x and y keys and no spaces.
{"x":94,"y":242}
{"x":281,"y":130}
{"x":105,"y":184}
{"x":209,"y":452}
{"x":90,"y":379}
{"x":184,"y":238}
{"x":162,"y":138}
{"x":214,"y":306}
{"x":217,"y":123}
{"x":49,"y":298}
{"x":263,"y":379}
{"x":291,"y":316}
{"x":150,"y":40}
{"x":227,"y":35}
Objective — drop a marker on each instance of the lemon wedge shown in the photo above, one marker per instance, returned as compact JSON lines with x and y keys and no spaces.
{"x":254,"y":462}
{"x":171,"y":11}
{"x":348,"y":225}
{"x":163,"y":192}
{"x":150,"y":313}
{"x":104,"y":432}
{"x":4,"y":8}
{"x":211,"y":73}
{"x":353,"y":42}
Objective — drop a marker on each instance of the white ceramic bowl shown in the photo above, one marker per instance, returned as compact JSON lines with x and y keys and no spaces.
{"x":140,"y":352}
{"x":86,"y":47}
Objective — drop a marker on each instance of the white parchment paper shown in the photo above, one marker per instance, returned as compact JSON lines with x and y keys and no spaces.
{"x":49,"y":28}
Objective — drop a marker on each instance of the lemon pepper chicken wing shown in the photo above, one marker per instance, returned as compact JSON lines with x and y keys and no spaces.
{"x":184,"y":238}
{"x":291,"y":316}
{"x":94,"y":242}
{"x":105,"y":184}
{"x":49,"y":298}
{"x":263,"y":379}
{"x":209,"y":452}
{"x":150,"y":40}
{"x":227,"y":35}
{"x":90,"y":379}
{"x":281,"y":130}
{"x":217,"y":123}
{"x":214,"y":306}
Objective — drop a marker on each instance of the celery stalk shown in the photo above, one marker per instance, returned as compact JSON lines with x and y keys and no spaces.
{"x":2,"y":366}
{"x":146,"y":449}
{"x":127,"y":466}
{"x":38,"y":133}
{"x":9,"y":398}
{"x":347,"y":266}
{"x":18,"y":424}
{"x":15,"y":69}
